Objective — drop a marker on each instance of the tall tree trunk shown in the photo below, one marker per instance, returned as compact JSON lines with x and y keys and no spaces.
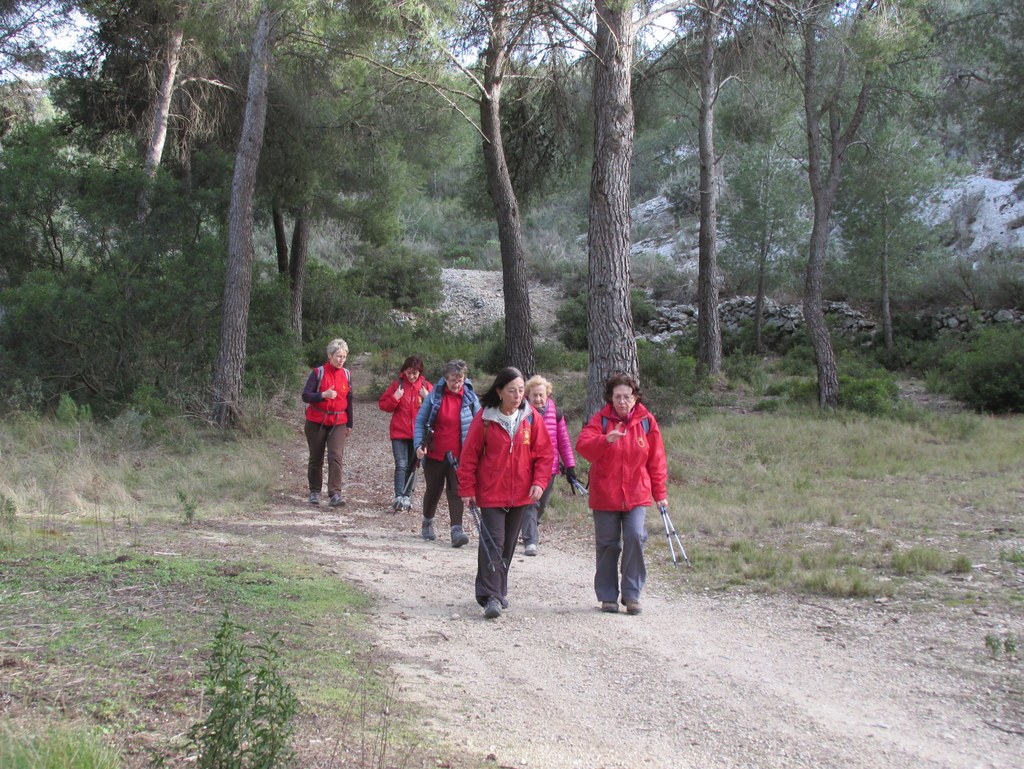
{"x":814,"y":315}
{"x":280,"y":237}
{"x":230,"y":363}
{"x":886,"y":308}
{"x":297,"y":267}
{"x":519,"y":347}
{"x":611,"y":340}
{"x":762,"y":268}
{"x":709,"y":328}
{"x":824,"y":183}
{"x":161,"y":115}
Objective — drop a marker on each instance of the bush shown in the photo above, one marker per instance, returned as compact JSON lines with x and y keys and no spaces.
{"x":572,"y":322}
{"x":876,"y":396}
{"x":989,"y":376}
{"x":404,"y":278}
{"x":249,"y":724}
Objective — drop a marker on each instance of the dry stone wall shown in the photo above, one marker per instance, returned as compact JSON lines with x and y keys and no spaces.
{"x":779,"y":320}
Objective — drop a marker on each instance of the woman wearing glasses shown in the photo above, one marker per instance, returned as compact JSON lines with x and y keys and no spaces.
{"x":628,"y":473}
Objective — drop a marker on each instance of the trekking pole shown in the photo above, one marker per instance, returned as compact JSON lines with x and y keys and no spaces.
{"x":410,"y":475}
{"x":485,"y":536}
{"x":670,"y":534}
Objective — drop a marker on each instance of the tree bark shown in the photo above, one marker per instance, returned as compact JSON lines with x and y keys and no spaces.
{"x":161,"y":116}
{"x":297,"y":267}
{"x":280,"y":238}
{"x":709,"y":328}
{"x":611,"y":340}
{"x":886,"y":308}
{"x":230,"y":363}
{"x":824,"y":183}
{"x":519,"y":346}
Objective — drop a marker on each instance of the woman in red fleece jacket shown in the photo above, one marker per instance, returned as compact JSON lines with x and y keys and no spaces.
{"x":402,"y":399}
{"x":504,"y":468}
{"x":628,"y":472}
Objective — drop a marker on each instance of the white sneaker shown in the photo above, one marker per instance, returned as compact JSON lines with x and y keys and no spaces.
{"x":531,"y":549}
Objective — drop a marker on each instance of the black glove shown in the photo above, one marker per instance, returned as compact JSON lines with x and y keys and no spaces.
{"x":570,"y":473}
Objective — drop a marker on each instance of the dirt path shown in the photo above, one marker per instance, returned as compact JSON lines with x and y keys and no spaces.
{"x":713,"y":680}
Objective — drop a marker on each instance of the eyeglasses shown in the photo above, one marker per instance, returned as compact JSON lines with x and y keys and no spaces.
{"x":629,"y":397}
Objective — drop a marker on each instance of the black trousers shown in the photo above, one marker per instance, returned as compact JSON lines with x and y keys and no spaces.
{"x":498,"y":537}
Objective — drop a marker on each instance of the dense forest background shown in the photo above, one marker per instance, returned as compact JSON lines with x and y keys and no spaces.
{"x":196,"y":196}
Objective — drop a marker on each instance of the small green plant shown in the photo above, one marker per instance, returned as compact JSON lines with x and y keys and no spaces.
{"x":188,"y":507}
{"x":962,"y":565}
{"x":1012,"y":556}
{"x":917,"y":560}
{"x":1006,"y":645}
{"x":249,"y":724}
{"x":8,"y":512}
{"x":69,"y":413}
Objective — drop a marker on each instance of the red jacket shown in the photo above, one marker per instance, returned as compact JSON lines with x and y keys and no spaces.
{"x":632,"y":472}
{"x":403,"y":412}
{"x":498,"y":471}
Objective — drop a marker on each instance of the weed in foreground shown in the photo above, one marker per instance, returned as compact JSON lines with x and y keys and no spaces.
{"x":188,"y":507}
{"x":249,"y":724}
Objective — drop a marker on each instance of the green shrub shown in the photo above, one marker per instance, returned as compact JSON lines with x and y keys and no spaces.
{"x":572,"y":322}
{"x":876,"y":396}
{"x":406,"y":279}
{"x":251,"y":707}
{"x":989,"y":375}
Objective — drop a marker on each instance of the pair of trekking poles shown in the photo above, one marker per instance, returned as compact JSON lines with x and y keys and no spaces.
{"x":579,"y":488}
{"x":670,"y":529}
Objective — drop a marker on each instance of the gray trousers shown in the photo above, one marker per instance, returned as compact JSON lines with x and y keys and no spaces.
{"x":618,"y":533}
{"x":531,"y":531}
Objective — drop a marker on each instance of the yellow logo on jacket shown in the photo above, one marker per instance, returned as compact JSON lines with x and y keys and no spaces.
{"x":526,"y":436}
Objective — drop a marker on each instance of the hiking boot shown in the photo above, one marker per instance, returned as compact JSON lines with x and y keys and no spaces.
{"x":530,"y":549}
{"x":337,"y":500}
{"x":314,"y":497}
{"x":610,"y":606}
{"x":428,"y":529}
{"x":459,"y":537}
{"x":406,"y":503}
{"x":493,"y":608}
{"x":633,"y":607}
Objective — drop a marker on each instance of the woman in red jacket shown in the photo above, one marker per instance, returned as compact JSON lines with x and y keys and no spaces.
{"x":628,"y":472}
{"x":504,"y":468}
{"x":402,"y":400}
{"x":328,"y":395}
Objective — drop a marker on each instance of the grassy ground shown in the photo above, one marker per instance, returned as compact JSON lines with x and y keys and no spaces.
{"x":112,"y":586}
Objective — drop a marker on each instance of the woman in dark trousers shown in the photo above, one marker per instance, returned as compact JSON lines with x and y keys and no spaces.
{"x":328,"y":395}
{"x":628,"y":473}
{"x":441,"y":426}
{"x":504,"y":468}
